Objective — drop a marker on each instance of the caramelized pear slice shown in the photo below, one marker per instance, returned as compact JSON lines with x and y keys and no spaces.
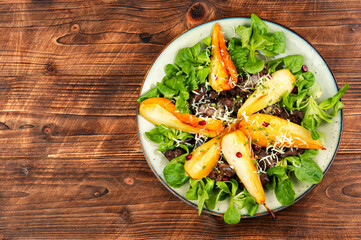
{"x":163,"y":111}
{"x":204,"y":159}
{"x":271,"y":130}
{"x":223,"y":74}
{"x":268,"y":93}
{"x":238,"y":152}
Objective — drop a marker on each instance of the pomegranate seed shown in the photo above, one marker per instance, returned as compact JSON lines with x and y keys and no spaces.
{"x":188,"y":157}
{"x":196,"y":90}
{"x":304,"y":68}
{"x":240,"y":78}
{"x":225,"y":178}
{"x":295,"y":90}
{"x":265,"y":124}
{"x":203,"y":122}
{"x":239,"y":155}
{"x":255,"y":147}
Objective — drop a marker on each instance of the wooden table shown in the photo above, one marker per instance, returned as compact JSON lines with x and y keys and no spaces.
{"x":71,"y":164}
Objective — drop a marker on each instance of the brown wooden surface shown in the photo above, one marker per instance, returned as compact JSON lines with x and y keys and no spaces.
{"x":70,"y":161}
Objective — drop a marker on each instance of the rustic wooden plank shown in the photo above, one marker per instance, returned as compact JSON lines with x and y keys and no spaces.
{"x":71,"y":164}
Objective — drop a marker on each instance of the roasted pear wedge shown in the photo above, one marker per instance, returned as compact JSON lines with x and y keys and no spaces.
{"x":203,"y":159}
{"x":271,"y":130}
{"x":163,"y":111}
{"x":238,"y":152}
{"x":223,"y":74}
{"x":268,"y":93}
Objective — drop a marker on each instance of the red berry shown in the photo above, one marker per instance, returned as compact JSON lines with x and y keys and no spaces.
{"x":295,"y":90}
{"x":266,"y":124}
{"x":240,"y":78}
{"x":239,"y":155}
{"x":255,"y":147}
{"x":203,"y":122}
{"x":188,"y":157}
{"x":304,"y":68}
{"x":225,"y":178}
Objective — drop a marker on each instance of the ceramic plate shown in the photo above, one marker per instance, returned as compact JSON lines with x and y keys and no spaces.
{"x":295,"y":45}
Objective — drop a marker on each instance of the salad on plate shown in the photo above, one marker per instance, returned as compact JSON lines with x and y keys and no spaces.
{"x":234,"y":120}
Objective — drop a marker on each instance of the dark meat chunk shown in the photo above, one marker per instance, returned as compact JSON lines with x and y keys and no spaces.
{"x":264,"y":179}
{"x":198,"y":95}
{"x":212,"y":95}
{"x":170,"y":154}
{"x":206,"y":110}
{"x":188,"y":141}
{"x":297,"y":117}
{"x":292,"y":152}
{"x":263,"y":72}
{"x":227,"y":102}
{"x":224,"y":172}
{"x":215,"y":176}
{"x":259,"y":153}
{"x":279,"y":112}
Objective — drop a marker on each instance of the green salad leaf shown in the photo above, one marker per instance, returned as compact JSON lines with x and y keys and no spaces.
{"x":175,"y":175}
{"x":256,"y":39}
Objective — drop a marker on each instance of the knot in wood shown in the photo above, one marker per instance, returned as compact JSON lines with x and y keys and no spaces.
{"x":197,"y":13}
{"x":3,"y":126}
{"x":75,"y":28}
{"x":129,"y":181}
{"x":47,"y":131}
{"x":25,"y":126}
{"x":50,"y":69}
{"x":145,"y":37}
{"x":99,"y":194}
{"x":124,"y":214}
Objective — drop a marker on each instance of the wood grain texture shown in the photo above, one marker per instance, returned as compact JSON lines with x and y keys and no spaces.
{"x":71,"y":166}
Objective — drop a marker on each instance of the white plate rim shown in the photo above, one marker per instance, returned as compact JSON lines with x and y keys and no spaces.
{"x":185,"y":199}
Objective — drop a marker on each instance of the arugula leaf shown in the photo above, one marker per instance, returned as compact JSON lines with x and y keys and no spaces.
{"x":238,"y":53}
{"x":214,"y":197}
{"x":258,"y":25}
{"x":202,"y":74}
{"x":279,"y":44}
{"x":155,"y":136}
{"x":277,"y":171}
{"x":166,"y":91}
{"x":284,"y":192}
{"x":308,"y":171}
{"x":272,"y":184}
{"x":292,"y":62}
{"x":207,"y":41}
{"x":232,"y":215}
{"x":167,"y":137}
{"x":245,"y":34}
{"x":202,"y":197}
{"x":305,"y":168}
{"x":191,"y":194}
{"x":175,"y":175}
{"x":150,"y":94}
{"x":330,"y":102}
{"x":250,"y":203}
{"x":171,"y":70}
{"x":223,"y":186}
